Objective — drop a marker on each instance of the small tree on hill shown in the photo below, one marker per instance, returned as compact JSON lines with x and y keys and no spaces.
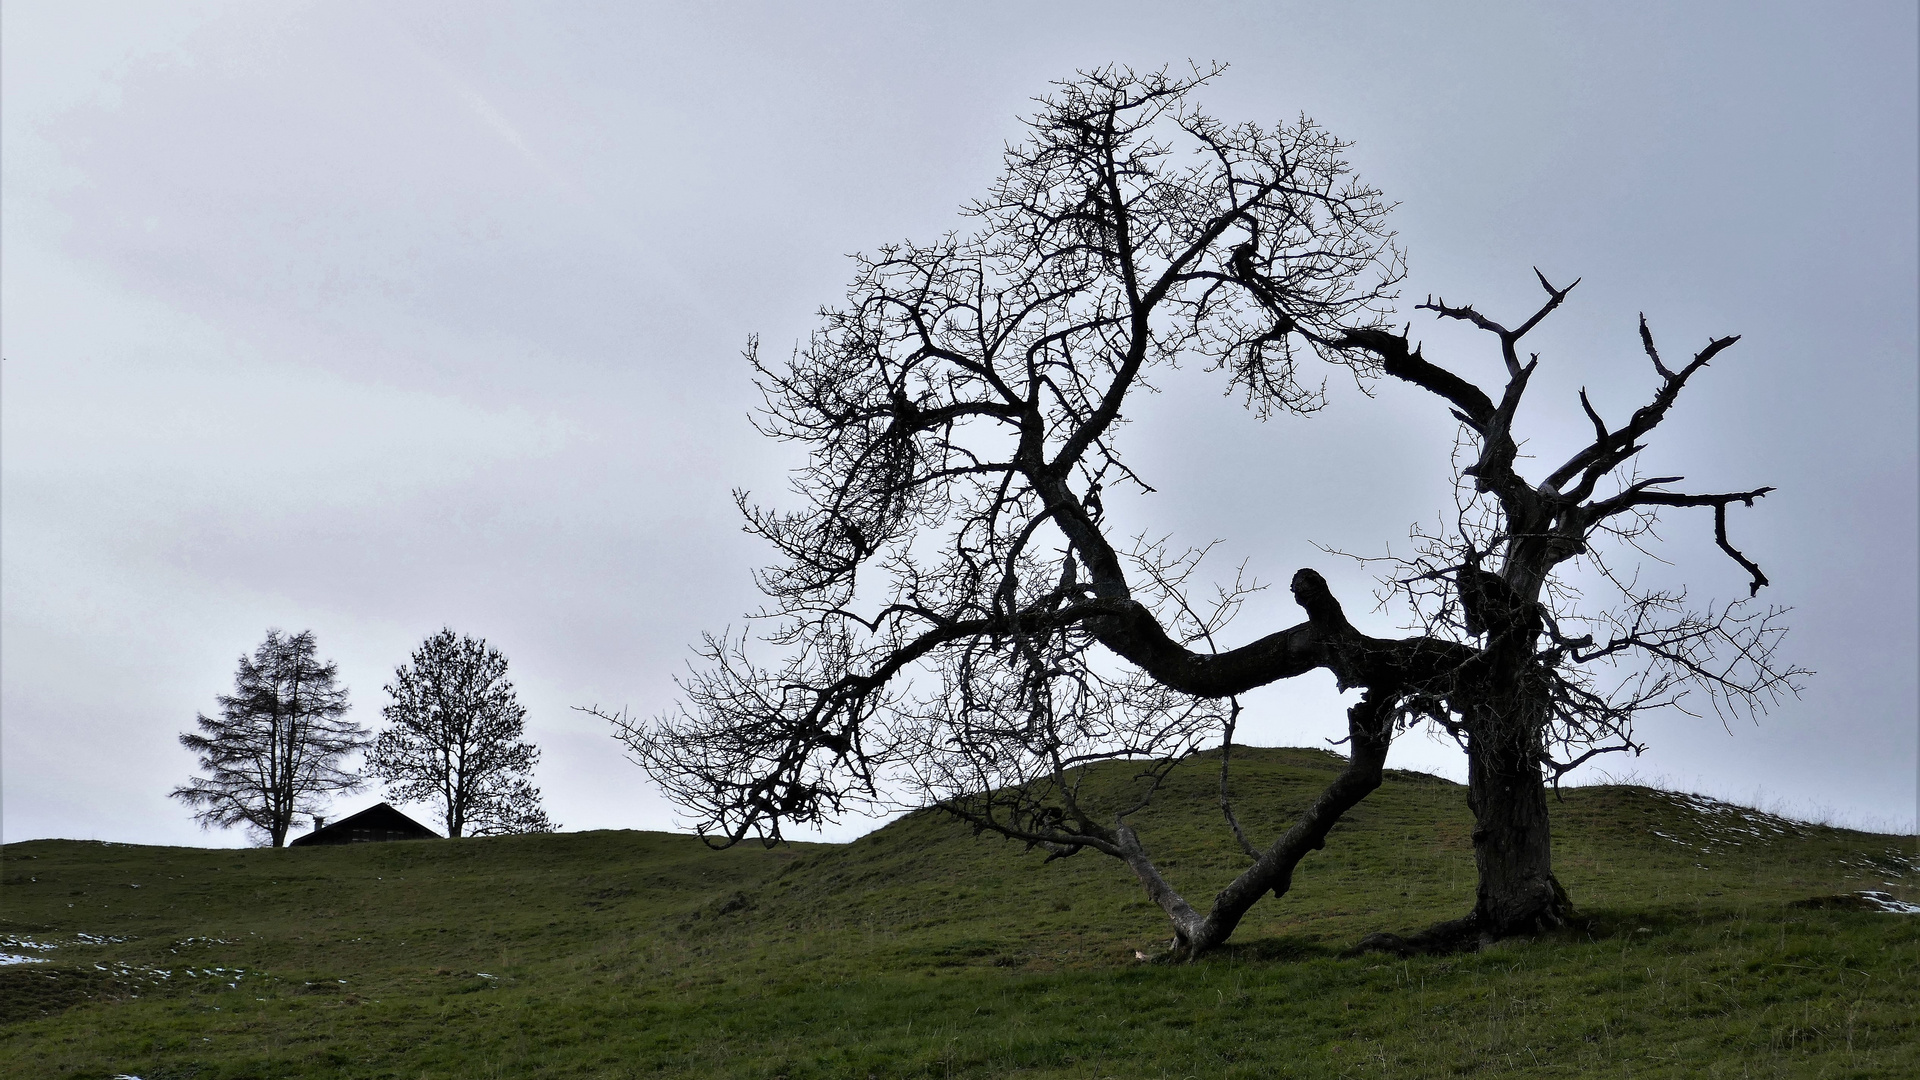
{"x":961,"y":626}
{"x":454,"y":740}
{"x":275,"y":748}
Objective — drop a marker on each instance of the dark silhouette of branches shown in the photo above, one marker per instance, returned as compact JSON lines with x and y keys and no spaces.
{"x":453,"y":740}
{"x":1563,"y":679}
{"x":276,"y":746}
{"x":951,"y":621}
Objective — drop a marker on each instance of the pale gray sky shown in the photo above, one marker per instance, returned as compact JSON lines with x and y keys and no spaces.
{"x":369,"y":318}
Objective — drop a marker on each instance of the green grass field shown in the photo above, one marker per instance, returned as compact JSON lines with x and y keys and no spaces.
{"x":1715,"y":943}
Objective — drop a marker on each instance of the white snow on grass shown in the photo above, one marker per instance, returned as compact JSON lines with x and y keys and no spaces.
{"x":230,"y":976}
{"x":1887,"y":903}
{"x":209,"y":941}
{"x":10,"y":942}
{"x":1724,"y":825}
{"x":1721,"y":826}
{"x":160,"y":976}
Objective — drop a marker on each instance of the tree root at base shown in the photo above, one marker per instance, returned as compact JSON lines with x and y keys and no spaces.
{"x":1441,"y":939}
{"x":1470,"y":933}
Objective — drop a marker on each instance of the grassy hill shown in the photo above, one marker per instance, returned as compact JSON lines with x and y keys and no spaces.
{"x":1716,"y":942}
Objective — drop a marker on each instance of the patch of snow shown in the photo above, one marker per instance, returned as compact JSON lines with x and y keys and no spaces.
{"x":8,"y":959}
{"x":1725,"y":821}
{"x":230,"y":976}
{"x":1887,"y":903}
{"x":1718,"y":826}
{"x":1905,"y":864}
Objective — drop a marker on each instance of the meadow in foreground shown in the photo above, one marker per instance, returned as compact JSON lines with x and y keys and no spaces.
{"x":1712,"y":942}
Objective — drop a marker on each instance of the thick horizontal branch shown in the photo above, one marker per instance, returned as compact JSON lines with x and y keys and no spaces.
{"x":1326,"y":640}
{"x":1638,"y":495}
{"x":831,"y":722}
{"x":1407,"y":365}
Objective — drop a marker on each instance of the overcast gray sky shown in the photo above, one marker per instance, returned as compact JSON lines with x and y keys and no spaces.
{"x":369,"y":318}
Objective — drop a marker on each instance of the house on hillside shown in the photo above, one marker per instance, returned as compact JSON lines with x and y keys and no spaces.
{"x":374,"y":824}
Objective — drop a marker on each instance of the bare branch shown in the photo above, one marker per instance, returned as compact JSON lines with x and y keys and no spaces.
{"x":1398,"y":360}
{"x":1610,"y":450}
{"x":1646,"y":342}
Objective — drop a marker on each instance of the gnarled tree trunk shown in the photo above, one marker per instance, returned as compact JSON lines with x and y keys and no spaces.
{"x":1512,"y":842}
{"x":1512,"y":849}
{"x":1512,"y":837}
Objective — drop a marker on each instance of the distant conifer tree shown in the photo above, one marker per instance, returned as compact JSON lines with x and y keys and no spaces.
{"x":454,"y":740}
{"x":276,"y":745}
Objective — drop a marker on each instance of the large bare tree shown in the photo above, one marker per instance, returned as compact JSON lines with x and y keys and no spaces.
{"x":276,"y":745}
{"x":954,"y":621}
{"x":1557,"y":678}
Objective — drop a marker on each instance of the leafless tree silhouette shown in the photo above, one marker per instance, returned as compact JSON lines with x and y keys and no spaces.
{"x":277,"y":742}
{"x":453,"y":740}
{"x":956,"y":624}
{"x":1555,"y":680}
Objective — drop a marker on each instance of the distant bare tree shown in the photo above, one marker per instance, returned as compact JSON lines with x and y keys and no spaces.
{"x":454,"y":740}
{"x":960,"y":627}
{"x":275,"y":748}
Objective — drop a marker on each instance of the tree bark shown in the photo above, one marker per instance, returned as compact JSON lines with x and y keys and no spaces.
{"x":1370,"y":727}
{"x":1512,"y":840}
{"x":1512,"y":849}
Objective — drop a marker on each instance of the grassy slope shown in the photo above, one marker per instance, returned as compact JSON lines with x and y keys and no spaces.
{"x":924,"y":951}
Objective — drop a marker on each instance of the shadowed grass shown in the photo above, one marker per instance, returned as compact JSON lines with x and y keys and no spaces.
{"x":924,"y":951}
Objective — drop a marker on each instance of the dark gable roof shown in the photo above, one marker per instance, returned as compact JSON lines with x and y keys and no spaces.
{"x":376,"y":823}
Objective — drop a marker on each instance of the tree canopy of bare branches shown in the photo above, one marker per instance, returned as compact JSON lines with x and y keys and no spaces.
{"x":952,"y":621}
{"x":1557,"y":679}
{"x":453,"y":740}
{"x":277,"y":743}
